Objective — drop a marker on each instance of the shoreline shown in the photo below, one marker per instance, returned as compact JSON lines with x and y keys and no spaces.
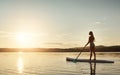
{"x":75,"y":49}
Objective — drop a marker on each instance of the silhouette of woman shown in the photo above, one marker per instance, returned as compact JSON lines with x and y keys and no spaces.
{"x":92,"y":45}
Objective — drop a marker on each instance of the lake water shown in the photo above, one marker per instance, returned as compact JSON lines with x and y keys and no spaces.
{"x":54,"y":63}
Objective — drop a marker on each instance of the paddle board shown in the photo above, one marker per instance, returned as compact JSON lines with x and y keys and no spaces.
{"x":87,"y":60}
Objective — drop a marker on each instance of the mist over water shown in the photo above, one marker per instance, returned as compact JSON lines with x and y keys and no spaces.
{"x":54,"y":63}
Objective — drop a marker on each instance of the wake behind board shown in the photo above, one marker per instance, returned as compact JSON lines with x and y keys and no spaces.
{"x":87,"y":60}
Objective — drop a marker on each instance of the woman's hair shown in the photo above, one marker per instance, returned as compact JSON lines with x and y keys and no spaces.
{"x":92,"y":35}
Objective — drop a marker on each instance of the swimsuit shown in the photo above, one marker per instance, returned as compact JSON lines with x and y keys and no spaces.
{"x":92,"y":44}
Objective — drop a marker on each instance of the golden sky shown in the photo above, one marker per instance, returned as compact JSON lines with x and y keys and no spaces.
{"x":58,"y":23}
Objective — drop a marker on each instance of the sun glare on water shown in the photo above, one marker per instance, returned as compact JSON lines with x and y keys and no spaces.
{"x":20,"y":63}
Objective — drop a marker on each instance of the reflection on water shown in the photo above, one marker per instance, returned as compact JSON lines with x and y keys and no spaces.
{"x":92,"y":68}
{"x":53,"y":63}
{"x":20,"y":64}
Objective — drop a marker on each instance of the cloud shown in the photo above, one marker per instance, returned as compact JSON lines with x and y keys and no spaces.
{"x":53,"y":43}
{"x":101,"y":21}
{"x":98,"y":23}
{"x":2,"y":32}
{"x":5,"y":34}
{"x":60,"y":44}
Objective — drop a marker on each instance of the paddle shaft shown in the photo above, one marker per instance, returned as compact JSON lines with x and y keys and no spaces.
{"x":79,"y":54}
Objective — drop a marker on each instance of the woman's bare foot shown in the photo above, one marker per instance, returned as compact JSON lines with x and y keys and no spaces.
{"x":90,"y":59}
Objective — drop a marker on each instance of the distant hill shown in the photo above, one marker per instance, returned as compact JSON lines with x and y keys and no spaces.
{"x":76,"y":49}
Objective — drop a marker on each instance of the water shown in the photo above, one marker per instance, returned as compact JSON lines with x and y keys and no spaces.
{"x":54,"y":63}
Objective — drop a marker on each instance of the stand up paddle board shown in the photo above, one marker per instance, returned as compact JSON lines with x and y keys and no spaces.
{"x":87,"y":60}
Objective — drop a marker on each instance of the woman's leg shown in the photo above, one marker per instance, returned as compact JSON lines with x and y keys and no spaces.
{"x":94,"y":53}
{"x":90,"y":54}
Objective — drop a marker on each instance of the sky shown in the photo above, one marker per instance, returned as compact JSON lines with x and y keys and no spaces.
{"x":58,"y":23}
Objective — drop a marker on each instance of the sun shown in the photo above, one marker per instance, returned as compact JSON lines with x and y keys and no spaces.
{"x":24,"y":39}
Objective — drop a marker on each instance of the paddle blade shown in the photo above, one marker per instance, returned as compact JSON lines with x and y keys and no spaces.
{"x":74,"y":61}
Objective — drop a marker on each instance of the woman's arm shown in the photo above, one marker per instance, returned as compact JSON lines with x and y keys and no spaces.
{"x":88,"y":42}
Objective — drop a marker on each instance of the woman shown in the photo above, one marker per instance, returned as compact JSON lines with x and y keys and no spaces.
{"x":92,"y":45}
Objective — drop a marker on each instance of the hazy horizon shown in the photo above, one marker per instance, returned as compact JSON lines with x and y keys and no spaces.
{"x":58,"y":23}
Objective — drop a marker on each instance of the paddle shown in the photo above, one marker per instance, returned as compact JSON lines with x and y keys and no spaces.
{"x":79,"y":54}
